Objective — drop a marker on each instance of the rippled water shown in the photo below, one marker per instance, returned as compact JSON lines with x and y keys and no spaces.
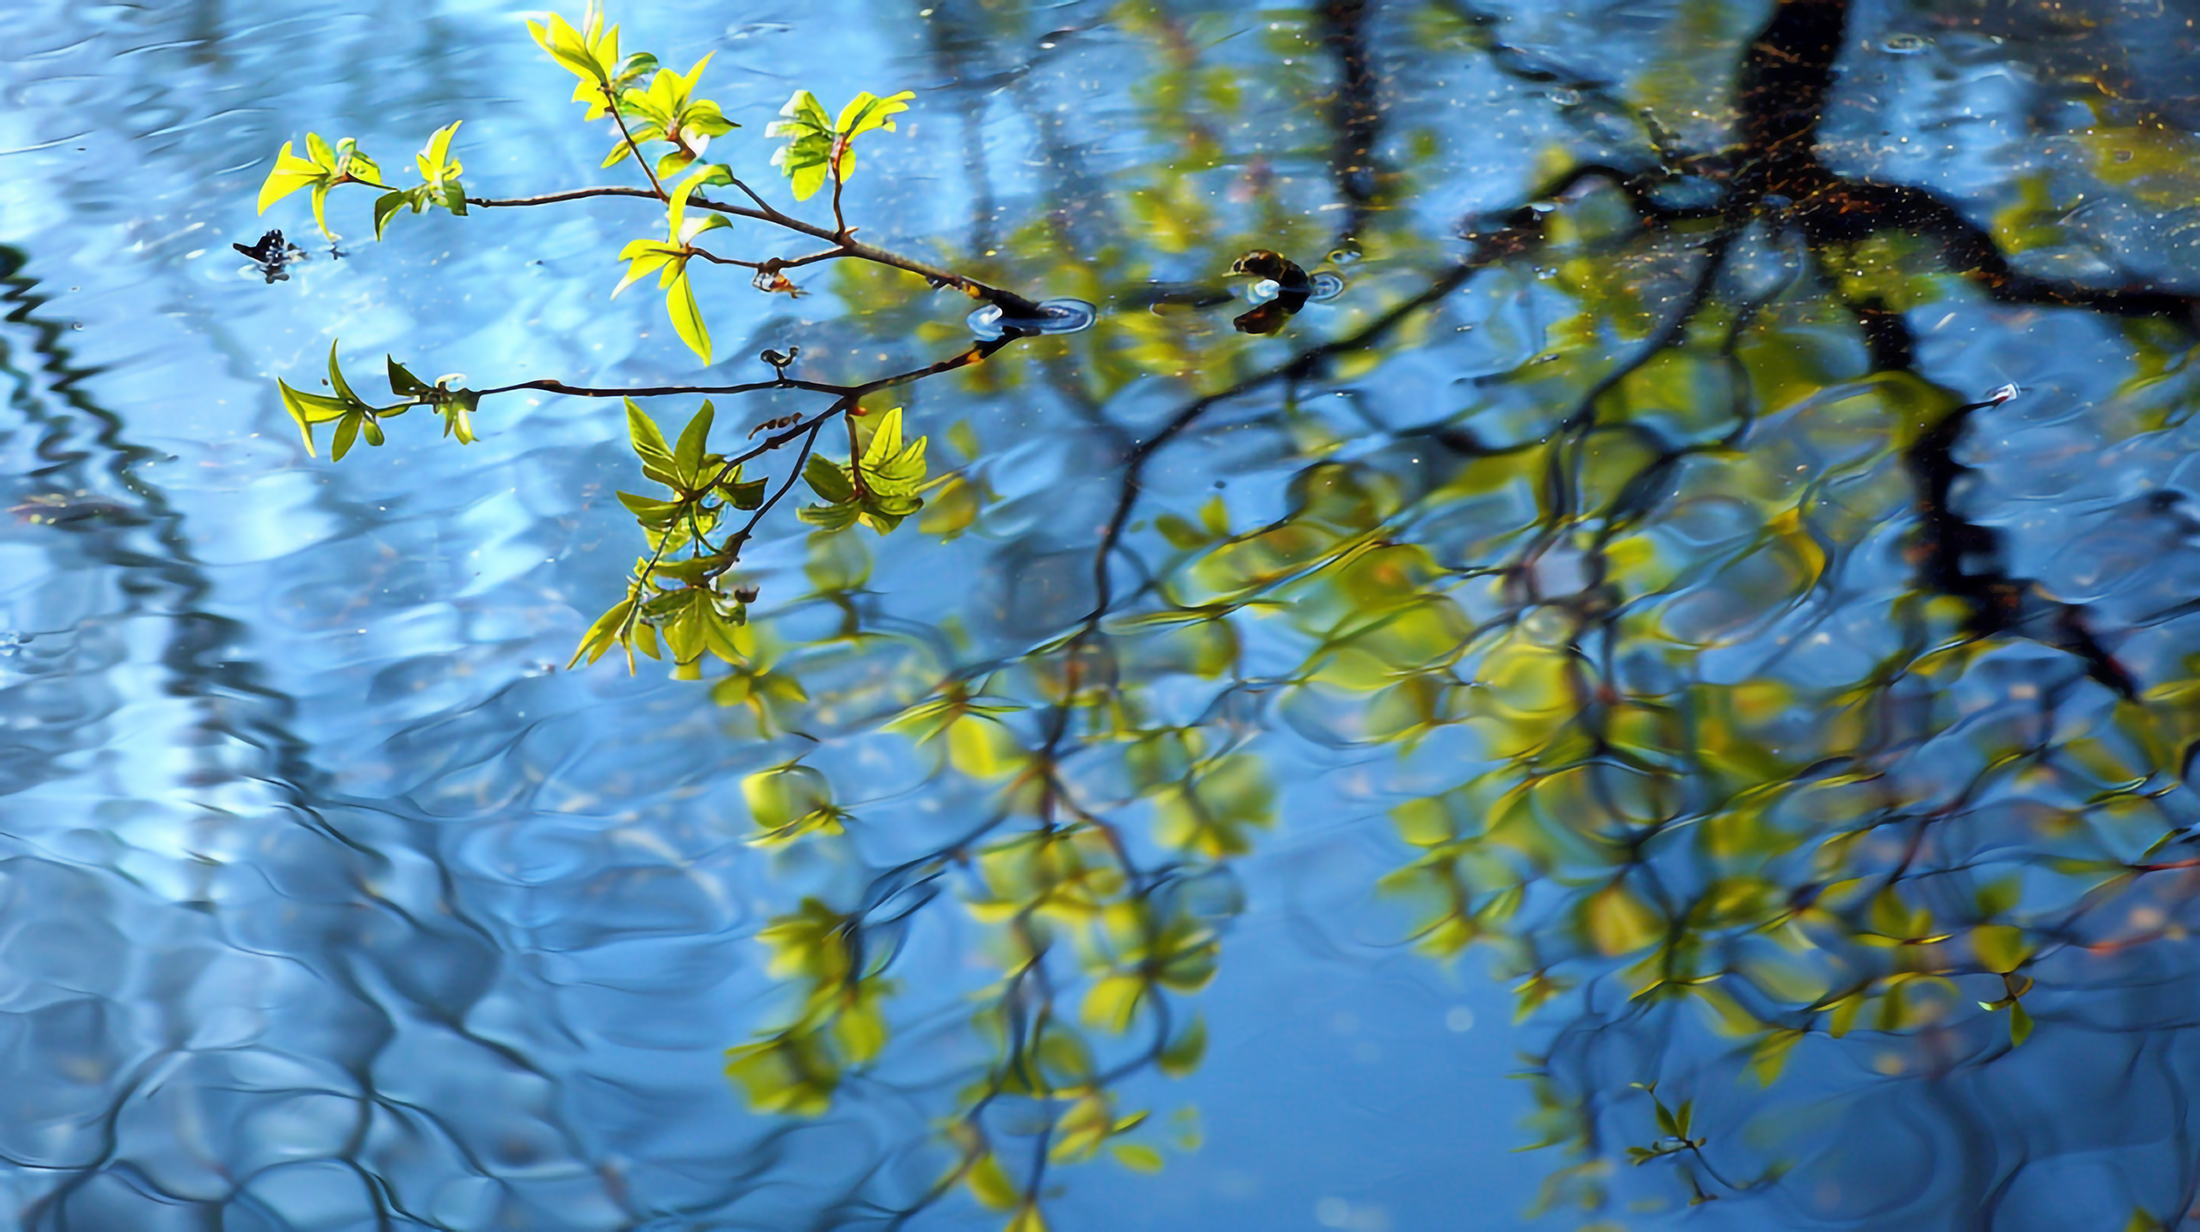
{"x":1620,"y":624}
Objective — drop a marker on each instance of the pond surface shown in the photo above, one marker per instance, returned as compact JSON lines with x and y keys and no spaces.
{"x":1693,"y":593}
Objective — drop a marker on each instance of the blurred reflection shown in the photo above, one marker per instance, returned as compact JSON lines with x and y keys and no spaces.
{"x":1594,"y":514}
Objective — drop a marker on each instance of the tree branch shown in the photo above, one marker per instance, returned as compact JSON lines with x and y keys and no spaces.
{"x":843,"y":246}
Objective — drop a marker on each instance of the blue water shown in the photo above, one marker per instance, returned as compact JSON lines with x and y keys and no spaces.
{"x":331,"y":900}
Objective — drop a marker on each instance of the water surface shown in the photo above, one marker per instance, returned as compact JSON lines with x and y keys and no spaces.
{"x":1616,"y":638}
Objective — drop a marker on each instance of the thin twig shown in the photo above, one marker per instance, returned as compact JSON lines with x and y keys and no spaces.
{"x":840,"y":222}
{"x":844,"y":246}
{"x":631,"y":144}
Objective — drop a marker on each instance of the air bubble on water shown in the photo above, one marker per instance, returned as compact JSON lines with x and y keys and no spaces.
{"x":1564,"y":97}
{"x":1904,"y":44}
{"x":1056,"y":316}
{"x":1323,"y":287}
{"x":1263,"y":291}
{"x":10,"y":642}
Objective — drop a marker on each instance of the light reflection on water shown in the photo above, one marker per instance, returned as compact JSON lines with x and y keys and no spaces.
{"x":325,"y":905}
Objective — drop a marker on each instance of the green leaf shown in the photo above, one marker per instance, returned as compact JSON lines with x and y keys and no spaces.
{"x":435,"y":162}
{"x":860,"y":1030}
{"x":320,"y":212}
{"x":687,"y":457}
{"x":703,"y":116}
{"x":605,"y":633}
{"x":1136,"y":1156}
{"x":2020,"y":1024}
{"x":810,"y":135}
{"x":683,"y":618}
{"x":339,"y":384}
{"x":633,"y":68}
{"x":789,"y":802}
{"x":687,"y":319}
{"x":388,"y":204}
{"x":458,"y":414}
{"x":864,"y":113}
{"x":829,"y":518}
{"x":867,"y":111}
{"x":749,"y":495}
{"x":309,"y":409}
{"x":587,"y":54}
{"x":889,"y":467}
{"x":649,"y":443}
{"x":793,"y":1074}
{"x":829,"y":481}
{"x":644,"y":257}
{"x":2000,"y":947}
{"x":1770,"y":1056}
{"x":1616,"y":922}
{"x":1112,"y":1003}
{"x":694,"y":569}
{"x":289,"y":174}
{"x":652,"y":513}
{"x":1182,"y":1054}
{"x":672,"y":162}
{"x":347,"y":429}
{"x":989,"y":1183}
{"x":403,"y":383}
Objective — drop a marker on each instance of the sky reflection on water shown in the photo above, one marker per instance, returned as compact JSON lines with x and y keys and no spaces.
{"x":329,"y":902}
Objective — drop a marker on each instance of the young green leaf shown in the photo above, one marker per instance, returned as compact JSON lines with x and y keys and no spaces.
{"x":687,"y":318}
{"x":590,"y":53}
{"x":605,"y":633}
{"x":748,"y":495}
{"x":439,"y":172}
{"x":867,"y":111}
{"x":338,"y":383}
{"x":458,"y":407}
{"x":830,"y":482}
{"x":289,"y":174}
{"x":1182,"y":1054}
{"x":387,"y":205}
{"x":347,"y":429}
{"x":688,"y":456}
{"x":989,"y":1183}
{"x":323,"y":169}
{"x":649,"y":443}
{"x":819,"y":147}
{"x":403,"y":383}
{"x":889,"y":467}
{"x":809,"y":148}
{"x":643,"y":258}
